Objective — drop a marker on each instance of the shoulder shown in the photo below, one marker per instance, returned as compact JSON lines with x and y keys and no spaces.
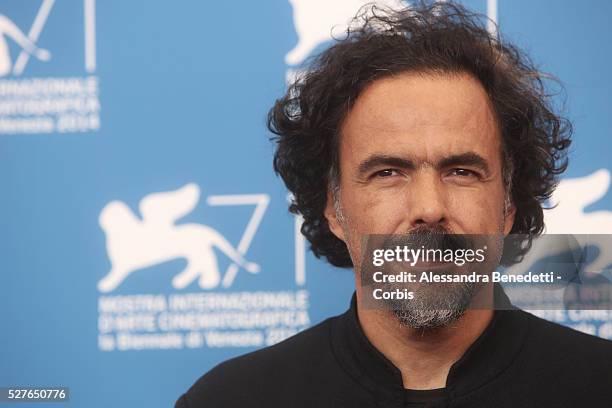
{"x":266,"y":374}
{"x":557,"y":337}
{"x":574,"y":354}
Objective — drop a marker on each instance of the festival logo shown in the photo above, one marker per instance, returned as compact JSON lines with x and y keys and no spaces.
{"x":316,"y":21}
{"x":134,"y":244}
{"x":9,"y":30}
{"x":567,"y":215}
{"x":201,"y":309}
{"x":580,"y":240}
{"x":47,"y":104}
{"x":319,"y":21}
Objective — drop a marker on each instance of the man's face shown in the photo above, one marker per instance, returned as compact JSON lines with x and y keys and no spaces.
{"x":419,"y":152}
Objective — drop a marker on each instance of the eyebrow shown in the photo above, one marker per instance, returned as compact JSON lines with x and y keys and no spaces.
{"x":380,"y":160}
{"x":463,"y":159}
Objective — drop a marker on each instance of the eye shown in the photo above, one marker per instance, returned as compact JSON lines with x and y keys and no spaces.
{"x":385,"y":173}
{"x":464,"y":173}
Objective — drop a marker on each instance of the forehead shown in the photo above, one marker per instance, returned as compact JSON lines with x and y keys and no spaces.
{"x":423,"y":116}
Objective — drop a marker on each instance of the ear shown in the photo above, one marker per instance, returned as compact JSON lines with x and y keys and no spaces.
{"x":332,"y":218}
{"x":509,"y":219}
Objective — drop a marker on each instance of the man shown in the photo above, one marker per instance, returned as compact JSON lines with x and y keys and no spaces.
{"x":418,"y":124}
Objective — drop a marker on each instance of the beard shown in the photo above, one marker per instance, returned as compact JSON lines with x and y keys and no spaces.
{"x":434,"y":305}
{"x":433,"y":308}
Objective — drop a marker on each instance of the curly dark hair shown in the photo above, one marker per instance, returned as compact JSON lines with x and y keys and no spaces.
{"x":426,"y":38}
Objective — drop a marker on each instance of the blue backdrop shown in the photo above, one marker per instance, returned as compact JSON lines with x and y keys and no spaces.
{"x":145,"y":237}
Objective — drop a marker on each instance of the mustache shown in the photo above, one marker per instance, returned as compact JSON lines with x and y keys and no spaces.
{"x":431,"y":238}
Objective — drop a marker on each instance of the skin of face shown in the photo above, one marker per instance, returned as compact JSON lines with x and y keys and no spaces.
{"x":420,"y":149}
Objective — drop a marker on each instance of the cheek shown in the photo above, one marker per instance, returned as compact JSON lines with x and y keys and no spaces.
{"x":368,"y":213}
{"x":476,"y":212}
{"x":374,"y":212}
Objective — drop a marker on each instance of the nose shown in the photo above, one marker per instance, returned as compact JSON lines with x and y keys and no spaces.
{"x":427,"y":202}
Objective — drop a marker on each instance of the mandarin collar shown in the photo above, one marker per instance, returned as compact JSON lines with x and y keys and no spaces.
{"x":491,"y":353}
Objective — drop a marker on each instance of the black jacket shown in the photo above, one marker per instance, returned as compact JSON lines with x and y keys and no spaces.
{"x":519,"y":361}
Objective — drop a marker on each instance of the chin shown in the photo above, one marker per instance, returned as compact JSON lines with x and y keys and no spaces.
{"x":429,"y":311}
{"x":421,"y":319}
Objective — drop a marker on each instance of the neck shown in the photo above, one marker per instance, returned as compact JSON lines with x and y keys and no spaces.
{"x":424,"y":357}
